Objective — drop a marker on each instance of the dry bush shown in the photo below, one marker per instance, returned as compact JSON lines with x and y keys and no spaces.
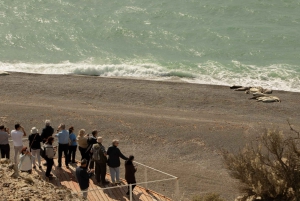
{"x":208,"y":197}
{"x":269,"y":168}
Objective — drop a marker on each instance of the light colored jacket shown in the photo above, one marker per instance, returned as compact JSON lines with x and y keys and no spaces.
{"x":50,"y":153}
{"x":82,"y":142}
{"x":25,"y":163}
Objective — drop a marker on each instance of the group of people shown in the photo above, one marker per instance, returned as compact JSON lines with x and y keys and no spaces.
{"x":94,"y":156}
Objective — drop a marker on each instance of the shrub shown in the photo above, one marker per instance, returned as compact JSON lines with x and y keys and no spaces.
{"x":269,"y":168}
{"x":208,"y":197}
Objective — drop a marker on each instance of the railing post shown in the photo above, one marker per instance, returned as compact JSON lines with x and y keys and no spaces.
{"x":177,"y":193}
{"x":130,"y":191}
{"x":146,"y":178}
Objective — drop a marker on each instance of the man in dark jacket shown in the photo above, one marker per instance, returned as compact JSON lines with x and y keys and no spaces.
{"x":47,"y":131}
{"x":114,"y":155}
{"x":83,"y":176}
{"x":99,"y":156}
{"x":130,"y":170}
{"x":91,"y":141}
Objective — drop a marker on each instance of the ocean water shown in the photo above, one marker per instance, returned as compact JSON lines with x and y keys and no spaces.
{"x":202,"y":41}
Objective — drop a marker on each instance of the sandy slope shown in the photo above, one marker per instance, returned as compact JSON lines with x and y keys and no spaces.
{"x":179,"y":128}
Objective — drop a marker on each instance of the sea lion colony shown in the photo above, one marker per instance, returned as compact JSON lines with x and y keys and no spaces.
{"x":259,"y":94}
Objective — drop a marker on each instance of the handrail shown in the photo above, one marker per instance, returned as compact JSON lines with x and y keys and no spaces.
{"x":155,"y":169}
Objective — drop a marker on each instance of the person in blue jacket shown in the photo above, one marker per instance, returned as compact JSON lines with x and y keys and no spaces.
{"x":72,"y":145}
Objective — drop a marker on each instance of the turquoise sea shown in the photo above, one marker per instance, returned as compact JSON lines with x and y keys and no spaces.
{"x":202,"y":41}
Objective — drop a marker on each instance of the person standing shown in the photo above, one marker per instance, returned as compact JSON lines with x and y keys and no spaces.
{"x":114,"y":155}
{"x":82,"y":139}
{"x":47,"y":131}
{"x":50,"y":153}
{"x":83,"y":176}
{"x":35,"y":146}
{"x":63,"y":144}
{"x":99,"y":156}
{"x":4,"y":144}
{"x":91,"y":141}
{"x":26,"y":158}
{"x":130,"y":171}
{"x":17,"y":136}
{"x":72,"y":145}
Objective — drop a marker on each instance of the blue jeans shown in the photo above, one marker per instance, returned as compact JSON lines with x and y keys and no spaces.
{"x":114,"y":174}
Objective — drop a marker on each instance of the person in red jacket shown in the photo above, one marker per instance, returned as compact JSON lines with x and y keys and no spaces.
{"x":130,"y":171}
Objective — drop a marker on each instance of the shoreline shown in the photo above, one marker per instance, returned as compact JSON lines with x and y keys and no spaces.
{"x":179,"y":128}
{"x":173,"y":79}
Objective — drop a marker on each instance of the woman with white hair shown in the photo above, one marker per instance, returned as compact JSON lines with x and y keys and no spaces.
{"x":35,"y":146}
{"x":114,"y":155}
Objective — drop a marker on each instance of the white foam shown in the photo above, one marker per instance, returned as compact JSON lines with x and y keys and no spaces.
{"x":286,"y":78}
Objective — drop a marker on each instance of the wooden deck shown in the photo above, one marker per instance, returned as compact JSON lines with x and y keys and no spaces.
{"x":66,"y":177}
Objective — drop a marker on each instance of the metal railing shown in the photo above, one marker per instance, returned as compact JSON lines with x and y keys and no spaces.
{"x":146,"y":182}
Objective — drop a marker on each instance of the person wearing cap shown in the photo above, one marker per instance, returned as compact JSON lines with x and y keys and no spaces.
{"x":47,"y":131}
{"x":25,"y":164}
{"x":17,"y":136}
{"x":114,"y":155}
{"x":4,"y":144}
{"x":63,"y":144}
{"x":83,"y":176}
{"x":35,"y":146}
{"x":100,"y":161}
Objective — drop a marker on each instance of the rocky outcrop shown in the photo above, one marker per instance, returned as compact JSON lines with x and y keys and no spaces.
{"x":15,"y":186}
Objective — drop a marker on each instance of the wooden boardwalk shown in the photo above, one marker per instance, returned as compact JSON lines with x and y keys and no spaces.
{"x":66,"y":177}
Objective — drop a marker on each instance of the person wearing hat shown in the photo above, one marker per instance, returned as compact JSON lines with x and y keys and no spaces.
{"x":35,"y":146}
{"x":99,"y":156}
{"x":25,"y":164}
{"x":83,"y":176}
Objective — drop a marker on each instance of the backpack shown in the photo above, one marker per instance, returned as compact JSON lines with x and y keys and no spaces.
{"x":43,"y":152}
{"x":96,"y":152}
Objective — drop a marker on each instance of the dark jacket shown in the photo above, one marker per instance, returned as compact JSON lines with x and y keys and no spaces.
{"x":91,"y":140}
{"x":130,"y":172}
{"x":47,"y":132}
{"x":114,"y":155}
{"x":83,"y":177}
{"x":102,"y":152}
{"x":35,"y":141}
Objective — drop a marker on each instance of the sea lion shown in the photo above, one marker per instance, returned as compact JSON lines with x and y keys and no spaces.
{"x":256,"y":89}
{"x":3,"y":73}
{"x":268,"y":99}
{"x":257,"y":95}
{"x":267,"y":91}
{"x":235,"y":87}
{"x":242,"y":89}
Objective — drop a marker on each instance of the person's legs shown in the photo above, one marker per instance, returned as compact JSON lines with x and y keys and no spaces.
{"x":82,"y":152}
{"x":92,"y":164}
{"x":97,"y":171}
{"x":7,"y":151}
{"x":84,"y":193}
{"x":33,"y":152}
{"x":112,"y":174}
{"x":2,"y":148}
{"x":103,"y":172}
{"x":17,"y":153}
{"x":38,"y":155}
{"x":132,"y":187}
{"x":117,"y":169}
{"x":73,"y":153}
{"x":49,"y":167}
{"x":69,"y":153}
{"x":66,"y":149}
{"x":60,"y":151}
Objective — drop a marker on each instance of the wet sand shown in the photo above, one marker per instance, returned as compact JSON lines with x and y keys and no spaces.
{"x":178,"y":128}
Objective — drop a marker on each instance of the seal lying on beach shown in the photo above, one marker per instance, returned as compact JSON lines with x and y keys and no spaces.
{"x":251,"y":89}
{"x":268,"y":99}
{"x":4,"y":73}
